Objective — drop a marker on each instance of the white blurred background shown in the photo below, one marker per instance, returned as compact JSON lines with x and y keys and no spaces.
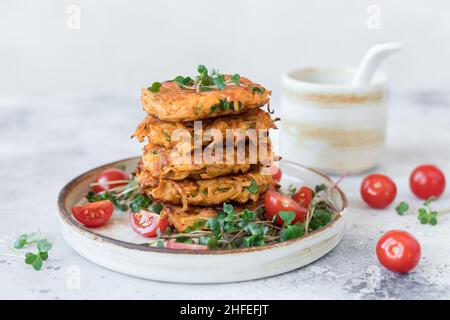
{"x":117,"y":47}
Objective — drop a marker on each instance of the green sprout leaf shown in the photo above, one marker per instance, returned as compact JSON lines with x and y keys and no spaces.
{"x":287,"y":217}
{"x":228,"y":208}
{"x":140,"y":202}
{"x":43,"y":255}
{"x":93,"y":197}
{"x":291,"y":232}
{"x":202,"y":69}
{"x":29,"y":257}
{"x":426,"y":215}
{"x":253,"y":187}
{"x":156,"y":208}
{"x":320,"y":218}
{"x":258,"y":90}
{"x":44,"y":246}
{"x":402,"y":208}
{"x":34,"y":260}
{"x":292,"y":190}
{"x":155,"y":87}
{"x":236,"y":79}
{"x":21,"y":241}
{"x":320,"y":187}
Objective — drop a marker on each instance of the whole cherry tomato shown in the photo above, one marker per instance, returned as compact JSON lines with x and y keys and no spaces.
{"x":109,"y":175}
{"x":275,"y":202}
{"x":427,"y":181}
{"x":398,"y":251}
{"x":378,"y":190}
{"x":304,"y":196}
{"x":94,"y":214}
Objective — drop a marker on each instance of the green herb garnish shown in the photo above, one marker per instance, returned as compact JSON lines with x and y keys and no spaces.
{"x":106,"y":195}
{"x":155,"y":87}
{"x":140,"y":202}
{"x":236,"y":79}
{"x":426,"y":214}
{"x":156,"y":208}
{"x":253,"y":187}
{"x":35,"y":259}
{"x":222,"y":105}
{"x":210,"y":80}
{"x":321,"y":217}
{"x":258,"y":90}
{"x":183,"y":81}
{"x":292,"y":190}
{"x":250,"y":228}
{"x":402,"y":208}
{"x":320,"y":187}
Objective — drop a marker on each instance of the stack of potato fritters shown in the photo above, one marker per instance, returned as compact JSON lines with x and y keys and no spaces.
{"x":187,"y":164}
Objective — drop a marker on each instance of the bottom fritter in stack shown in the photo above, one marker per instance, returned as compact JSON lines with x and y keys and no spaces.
{"x":207,"y":144}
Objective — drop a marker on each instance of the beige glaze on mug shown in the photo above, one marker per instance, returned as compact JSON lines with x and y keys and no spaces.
{"x":329,"y":124}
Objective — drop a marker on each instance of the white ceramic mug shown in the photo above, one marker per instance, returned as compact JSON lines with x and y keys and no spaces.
{"x":330,"y":125}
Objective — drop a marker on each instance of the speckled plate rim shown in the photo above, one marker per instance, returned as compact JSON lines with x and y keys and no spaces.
{"x":67,"y":218}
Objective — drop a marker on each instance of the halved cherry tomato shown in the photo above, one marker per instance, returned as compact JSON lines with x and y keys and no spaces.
{"x":276,"y":173}
{"x":94,"y":214}
{"x":398,"y":251}
{"x":427,"y":181}
{"x":110,"y":175}
{"x":275,"y":202}
{"x":303,"y":196}
{"x":147,"y":223}
{"x":172,"y":244}
{"x":378,"y":190}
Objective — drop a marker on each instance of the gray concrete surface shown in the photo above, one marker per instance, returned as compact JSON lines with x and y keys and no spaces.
{"x":45,"y":142}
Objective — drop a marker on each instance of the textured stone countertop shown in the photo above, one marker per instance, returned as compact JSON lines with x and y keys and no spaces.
{"x":45,"y":142}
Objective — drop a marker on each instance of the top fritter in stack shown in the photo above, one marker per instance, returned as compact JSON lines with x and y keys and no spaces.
{"x":170,"y":171}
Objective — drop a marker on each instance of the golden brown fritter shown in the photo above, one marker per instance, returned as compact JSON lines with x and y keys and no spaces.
{"x":161,"y":133}
{"x":182,"y":219}
{"x":161,"y":162}
{"x":174,"y":104}
{"x":239,"y":188}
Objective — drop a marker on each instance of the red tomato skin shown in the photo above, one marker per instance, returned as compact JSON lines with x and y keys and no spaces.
{"x":398,"y":251}
{"x":378,"y":190}
{"x":303,"y":196}
{"x":172,"y":244}
{"x":109,"y":175}
{"x":427,"y":181}
{"x":94,"y":214}
{"x":276,"y":173}
{"x":154,"y":220}
{"x":275,"y":202}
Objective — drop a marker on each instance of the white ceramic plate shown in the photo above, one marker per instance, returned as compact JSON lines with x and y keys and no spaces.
{"x":115,"y":246}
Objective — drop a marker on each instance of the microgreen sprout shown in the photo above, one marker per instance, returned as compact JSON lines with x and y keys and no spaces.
{"x":253,"y":187}
{"x":402,"y":208}
{"x":425,"y":214}
{"x":35,"y":259}
{"x":249,"y":228}
{"x":154,"y":87}
{"x":292,"y":190}
{"x":207,"y":80}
